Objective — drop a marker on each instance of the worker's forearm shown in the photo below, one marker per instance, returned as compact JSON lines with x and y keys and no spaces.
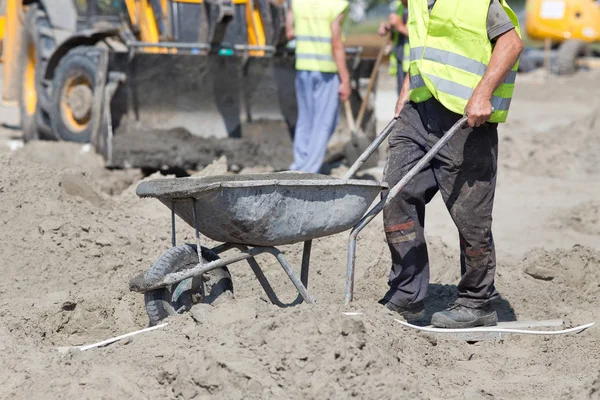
{"x":402,"y":29}
{"x":289,"y":26}
{"x":506,"y":53}
{"x":339,"y":57}
{"x":405,"y":90}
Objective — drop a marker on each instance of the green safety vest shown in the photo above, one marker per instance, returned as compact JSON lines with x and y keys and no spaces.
{"x":406,"y":49}
{"x":450,"y":51}
{"x":312,"y":27}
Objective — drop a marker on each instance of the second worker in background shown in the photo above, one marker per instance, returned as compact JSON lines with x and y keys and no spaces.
{"x":322,"y":77}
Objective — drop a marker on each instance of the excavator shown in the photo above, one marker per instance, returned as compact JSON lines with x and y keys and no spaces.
{"x":568,"y":27}
{"x":108,"y":72}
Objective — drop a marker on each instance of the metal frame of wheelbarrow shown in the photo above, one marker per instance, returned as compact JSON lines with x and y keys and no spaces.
{"x":249,"y":252}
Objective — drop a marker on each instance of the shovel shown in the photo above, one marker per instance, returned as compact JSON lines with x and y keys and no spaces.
{"x":358,"y":142}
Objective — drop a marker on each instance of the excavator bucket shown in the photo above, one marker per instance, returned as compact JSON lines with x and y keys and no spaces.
{"x":176,"y":99}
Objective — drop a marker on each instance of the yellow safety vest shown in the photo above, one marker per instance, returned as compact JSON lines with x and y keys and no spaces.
{"x":405,"y":60}
{"x":406,"y":56}
{"x":450,"y":51}
{"x":405,"y":50}
{"x":312,"y":26}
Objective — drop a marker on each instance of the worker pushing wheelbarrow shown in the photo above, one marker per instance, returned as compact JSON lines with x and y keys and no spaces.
{"x":254,"y":214}
{"x":467,"y":70}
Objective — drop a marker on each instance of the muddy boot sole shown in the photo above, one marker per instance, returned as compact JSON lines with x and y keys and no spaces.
{"x":442,"y":321}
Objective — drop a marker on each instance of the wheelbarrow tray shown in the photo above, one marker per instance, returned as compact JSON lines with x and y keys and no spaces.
{"x":266,"y":209}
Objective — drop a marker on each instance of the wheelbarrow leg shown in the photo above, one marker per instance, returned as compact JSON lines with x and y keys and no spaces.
{"x":290,"y":272}
{"x":173,"y":235}
{"x":262,"y":279}
{"x":305,"y":263}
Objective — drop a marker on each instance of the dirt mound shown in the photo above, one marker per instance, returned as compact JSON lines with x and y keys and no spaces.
{"x":81,"y":158}
{"x":584,"y":218}
{"x":69,"y":250}
{"x":590,"y":391}
{"x":268,"y":144}
{"x":555,"y":149}
{"x":578,"y":267}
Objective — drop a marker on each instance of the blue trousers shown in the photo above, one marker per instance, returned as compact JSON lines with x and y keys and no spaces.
{"x":318,"y":110}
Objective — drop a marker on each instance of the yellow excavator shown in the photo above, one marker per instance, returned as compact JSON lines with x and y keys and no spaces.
{"x":106,"y":72}
{"x":568,"y":27}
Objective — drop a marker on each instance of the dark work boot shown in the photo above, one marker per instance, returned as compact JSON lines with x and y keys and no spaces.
{"x":411,"y":312}
{"x":459,"y":316}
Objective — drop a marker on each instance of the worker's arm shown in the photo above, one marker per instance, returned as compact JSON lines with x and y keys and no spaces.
{"x":506,"y":53}
{"x":398,"y":24}
{"x":404,"y":95}
{"x":394,"y":22}
{"x":289,"y":25}
{"x":339,"y":56}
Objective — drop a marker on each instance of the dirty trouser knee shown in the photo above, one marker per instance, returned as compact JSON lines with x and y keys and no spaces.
{"x":465,"y":173}
{"x":318,"y":110}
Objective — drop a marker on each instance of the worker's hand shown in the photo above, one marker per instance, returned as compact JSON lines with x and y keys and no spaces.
{"x":400,"y":104}
{"x":383,"y":29}
{"x":344,"y":91}
{"x":394,"y":20}
{"x":479,"y":110}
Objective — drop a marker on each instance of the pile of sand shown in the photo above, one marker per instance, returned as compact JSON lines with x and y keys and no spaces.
{"x":69,"y":251}
{"x":73,"y":234}
{"x":585,"y":218}
{"x":554,"y":149}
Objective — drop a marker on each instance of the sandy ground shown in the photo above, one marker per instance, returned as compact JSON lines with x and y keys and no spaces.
{"x":74,"y":234}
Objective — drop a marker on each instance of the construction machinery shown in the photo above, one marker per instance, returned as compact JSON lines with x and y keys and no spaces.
{"x":107,"y":72}
{"x":568,"y":27}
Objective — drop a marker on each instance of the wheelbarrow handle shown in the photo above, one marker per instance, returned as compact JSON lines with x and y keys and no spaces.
{"x":425,"y":160}
{"x":388,"y":197}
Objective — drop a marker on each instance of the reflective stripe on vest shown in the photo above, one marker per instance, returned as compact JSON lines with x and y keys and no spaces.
{"x":406,"y":56}
{"x":312,"y":26}
{"x":448,"y":69}
{"x":457,"y":90}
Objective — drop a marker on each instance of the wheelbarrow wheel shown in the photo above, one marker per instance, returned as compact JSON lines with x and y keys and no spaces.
{"x":171,"y":300}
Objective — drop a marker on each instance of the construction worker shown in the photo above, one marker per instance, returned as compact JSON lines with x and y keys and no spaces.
{"x":463,"y":60}
{"x":396,"y":25}
{"x":322,"y":77}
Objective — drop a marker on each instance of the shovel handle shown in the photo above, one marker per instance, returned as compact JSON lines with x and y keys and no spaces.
{"x":350,"y":117}
{"x":370,"y":150}
{"x":363,"y":106}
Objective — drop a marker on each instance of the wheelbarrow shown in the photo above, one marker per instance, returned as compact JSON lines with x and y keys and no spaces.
{"x":253,"y":214}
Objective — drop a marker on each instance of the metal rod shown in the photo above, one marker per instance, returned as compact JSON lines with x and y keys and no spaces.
{"x":173,"y":238}
{"x":264,"y":282}
{"x":305,"y":262}
{"x":290,"y":272}
{"x":387,"y":198}
{"x":223,"y":248}
{"x":197,"y":233}
{"x":174,"y":45}
{"x":197,"y":270}
{"x":370,"y":150}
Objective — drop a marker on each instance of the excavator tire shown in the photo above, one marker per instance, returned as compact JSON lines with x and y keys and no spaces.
{"x":567,"y":55}
{"x":37,"y":46}
{"x":71,"y":110}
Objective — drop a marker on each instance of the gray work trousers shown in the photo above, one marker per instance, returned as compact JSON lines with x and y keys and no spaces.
{"x":464,"y":172}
